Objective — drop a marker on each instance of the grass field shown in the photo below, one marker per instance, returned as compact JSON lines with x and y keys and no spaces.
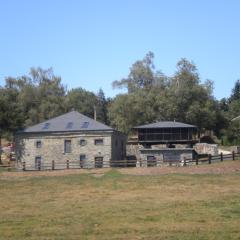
{"x":113,"y":205}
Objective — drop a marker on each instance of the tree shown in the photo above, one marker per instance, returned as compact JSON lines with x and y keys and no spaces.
{"x":28,"y":100}
{"x":123,"y":112}
{"x":235,"y":96}
{"x":232,"y":133}
{"x":142,"y":75}
{"x":129,"y":110}
{"x":11,"y":117}
{"x":43,"y":96}
{"x":181,"y":97}
{"x":81,"y":100}
{"x":223,"y":104}
{"x":102,"y":107}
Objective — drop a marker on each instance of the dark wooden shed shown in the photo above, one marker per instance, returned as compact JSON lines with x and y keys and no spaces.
{"x":167,"y":133}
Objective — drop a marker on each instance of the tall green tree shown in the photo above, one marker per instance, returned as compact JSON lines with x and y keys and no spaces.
{"x":27,"y":100}
{"x":142,"y":76}
{"x":182,"y":98}
{"x":235,"y":96}
{"x":102,"y":107}
{"x":47,"y":94}
{"x":81,"y":100}
{"x":11,"y":116}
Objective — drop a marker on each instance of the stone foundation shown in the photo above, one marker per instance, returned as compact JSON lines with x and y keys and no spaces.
{"x":165,"y":156}
{"x":205,"y":148}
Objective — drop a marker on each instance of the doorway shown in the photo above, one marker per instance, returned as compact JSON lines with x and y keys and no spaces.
{"x":151,"y":161}
{"x":38,"y":163}
{"x":98,"y":162}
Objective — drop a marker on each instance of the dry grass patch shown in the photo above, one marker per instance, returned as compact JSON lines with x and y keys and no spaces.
{"x":117,"y":206}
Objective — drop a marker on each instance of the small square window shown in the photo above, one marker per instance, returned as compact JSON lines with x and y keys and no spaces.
{"x":82,"y":142}
{"x":98,"y":141}
{"x":38,"y":144}
{"x":82,"y":157}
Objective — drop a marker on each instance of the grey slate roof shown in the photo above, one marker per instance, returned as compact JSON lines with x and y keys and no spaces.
{"x":166,"y":124}
{"x":68,"y":122}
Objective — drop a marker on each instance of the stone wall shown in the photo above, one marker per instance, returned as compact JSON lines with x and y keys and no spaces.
{"x":52,"y":149}
{"x":205,"y":148}
{"x":133,"y":151}
{"x":166,"y":156}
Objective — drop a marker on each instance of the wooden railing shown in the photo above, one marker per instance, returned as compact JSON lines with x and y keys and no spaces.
{"x":211,"y":159}
{"x":120,"y":163}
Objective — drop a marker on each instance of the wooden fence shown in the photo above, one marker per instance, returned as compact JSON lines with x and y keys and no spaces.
{"x":211,"y":159}
{"x":8,"y":166}
{"x":121,"y":163}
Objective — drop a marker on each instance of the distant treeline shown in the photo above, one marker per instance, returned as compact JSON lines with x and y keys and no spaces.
{"x":151,"y":96}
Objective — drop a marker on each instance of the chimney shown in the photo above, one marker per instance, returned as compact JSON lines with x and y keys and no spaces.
{"x":95,"y":113}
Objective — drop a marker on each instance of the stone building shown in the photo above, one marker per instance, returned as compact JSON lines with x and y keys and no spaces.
{"x":70,"y":140}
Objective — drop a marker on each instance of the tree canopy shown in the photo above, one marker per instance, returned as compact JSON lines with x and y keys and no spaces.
{"x":151,"y":96}
{"x":155,"y":97}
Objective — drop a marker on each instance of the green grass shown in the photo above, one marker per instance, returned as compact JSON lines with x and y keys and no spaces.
{"x":3,"y":169}
{"x":116,"y":206}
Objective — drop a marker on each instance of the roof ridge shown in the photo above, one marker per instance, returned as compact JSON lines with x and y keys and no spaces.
{"x":162,"y":124}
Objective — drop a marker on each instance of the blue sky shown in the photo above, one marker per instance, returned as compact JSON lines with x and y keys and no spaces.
{"x":92,"y":43}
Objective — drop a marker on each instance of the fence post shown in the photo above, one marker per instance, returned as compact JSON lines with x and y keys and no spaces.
{"x":233,"y":155}
{"x":209,"y":159}
{"x":24,"y":166}
{"x":53,"y":165}
{"x":9,"y":166}
{"x":184,"y":162}
{"x":221,"y":154}
{"x":67,"y":164}
{"x":196,"y":159}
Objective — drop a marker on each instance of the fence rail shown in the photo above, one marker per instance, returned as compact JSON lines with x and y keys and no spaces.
{"x":7,"y":166}
{"x":212,"y":158}
{"x":121,"y":163}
